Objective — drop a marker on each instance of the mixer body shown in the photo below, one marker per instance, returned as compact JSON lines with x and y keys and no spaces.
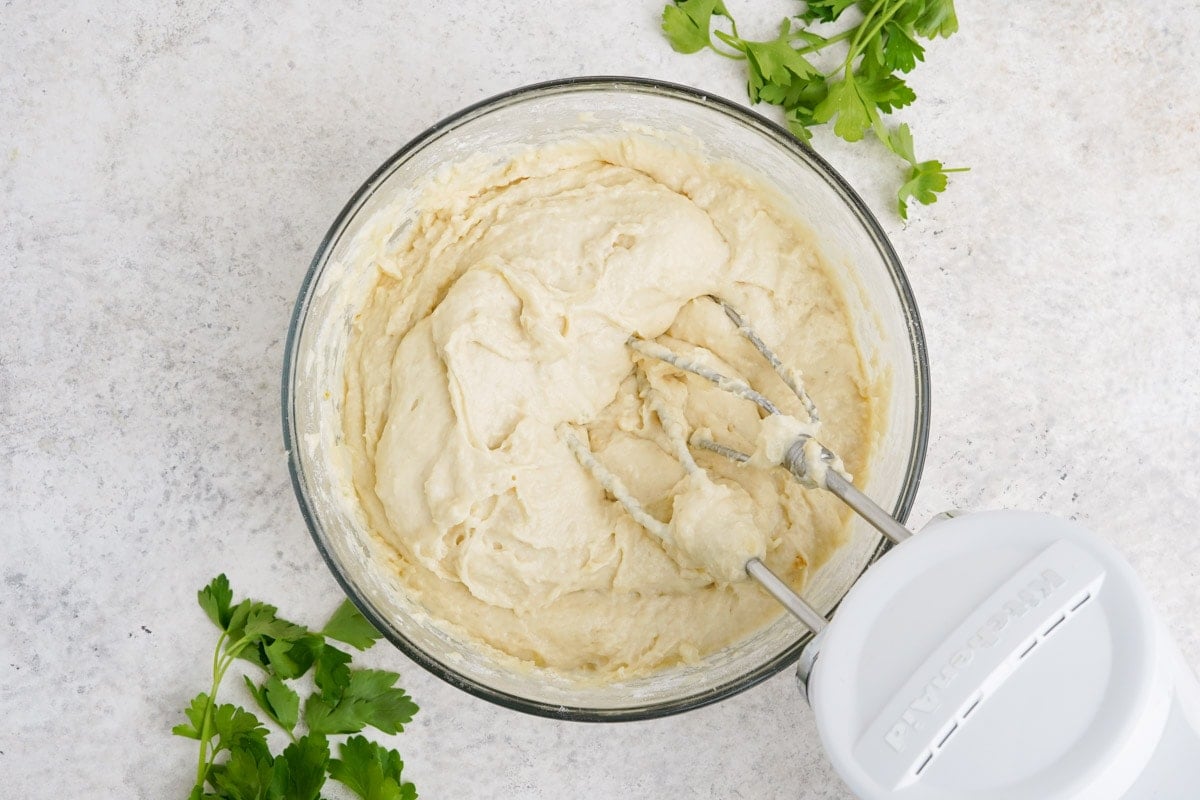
{"x":1004,"y":656}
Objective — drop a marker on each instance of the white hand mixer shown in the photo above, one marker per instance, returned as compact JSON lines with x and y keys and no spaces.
{"x":999,"y":655}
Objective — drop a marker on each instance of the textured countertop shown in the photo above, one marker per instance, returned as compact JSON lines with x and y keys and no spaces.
{"x":168,"y":170}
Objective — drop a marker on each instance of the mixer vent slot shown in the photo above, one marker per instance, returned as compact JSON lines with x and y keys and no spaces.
{"x":970,"y":708}
{"x":946,"y":738}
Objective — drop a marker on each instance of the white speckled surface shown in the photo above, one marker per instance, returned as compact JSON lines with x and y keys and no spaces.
{"x":167,"y":173}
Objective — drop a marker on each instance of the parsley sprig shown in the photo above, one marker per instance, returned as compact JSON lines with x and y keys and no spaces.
{"x":235,"y":761}
{"x":856,"y":93}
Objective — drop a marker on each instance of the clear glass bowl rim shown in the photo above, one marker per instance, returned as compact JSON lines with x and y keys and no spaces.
{"x":766,"y":128}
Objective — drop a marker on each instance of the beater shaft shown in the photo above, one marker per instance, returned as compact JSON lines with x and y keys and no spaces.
{"x":801,"y":610}
{"x":835,"y":482}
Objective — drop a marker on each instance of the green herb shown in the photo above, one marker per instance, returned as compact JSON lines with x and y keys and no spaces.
{"x":235,"y":760}
{"x":370,"y":771}
{"x":861,"y":87}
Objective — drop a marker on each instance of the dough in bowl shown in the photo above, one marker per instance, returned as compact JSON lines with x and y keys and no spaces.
{"x":498,"y":325}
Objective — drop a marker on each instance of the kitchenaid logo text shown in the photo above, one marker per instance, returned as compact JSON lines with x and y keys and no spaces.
{"x":929,"y":700}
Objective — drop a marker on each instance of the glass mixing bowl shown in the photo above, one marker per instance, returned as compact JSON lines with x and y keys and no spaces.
{"x":887,"y":326}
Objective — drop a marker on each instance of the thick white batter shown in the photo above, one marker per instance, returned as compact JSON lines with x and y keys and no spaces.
{"x":497,"y":333}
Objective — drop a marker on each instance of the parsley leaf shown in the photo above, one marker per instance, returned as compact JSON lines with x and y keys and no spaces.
{"x":368,"y":699}
{"x":246,"y":775}
{"x":824,"y":10}
{"x":887,"y":92}
{"x":687,"y":23}
{"x":901,"y":142}
{"x":280,"y":701}
{"x":332,"y":675}
{"x":239,"y":614}
{"x":216,"y":599}
{"x":937,"y":19}
{"x":291,"y":659}
{"x":370,"y":771}
{"x":234,"y":727}
{"x":256,"y":633}
{"x":195,"y":712}
{"x":262,"y":621}
{"x":349,"y":625}
{"x":800,"y":108}
{"x":302,"y":773}
{"x":775,"y":66}
{"x":925,"y":178}
{"x":900,"y":50}
{"x":855,"y":113}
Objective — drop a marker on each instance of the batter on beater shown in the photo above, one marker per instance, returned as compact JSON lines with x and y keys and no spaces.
{"x":494,"y":343}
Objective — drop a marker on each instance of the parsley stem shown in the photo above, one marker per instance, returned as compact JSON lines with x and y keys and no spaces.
{"x":857,"y":43}
{"x":840,"y":37}
{"x":219,"y":668}
{"x":878,"y":26}
{"x":731,"y":56}
{"x":735,"y":54}
{"x":881,"y":133}
{"x":208,"y":712}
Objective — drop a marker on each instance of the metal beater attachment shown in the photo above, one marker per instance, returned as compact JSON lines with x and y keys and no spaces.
{"x":808,"y":461}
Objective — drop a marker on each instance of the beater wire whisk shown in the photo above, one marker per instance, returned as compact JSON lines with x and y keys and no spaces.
{"x":808,"y":461}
